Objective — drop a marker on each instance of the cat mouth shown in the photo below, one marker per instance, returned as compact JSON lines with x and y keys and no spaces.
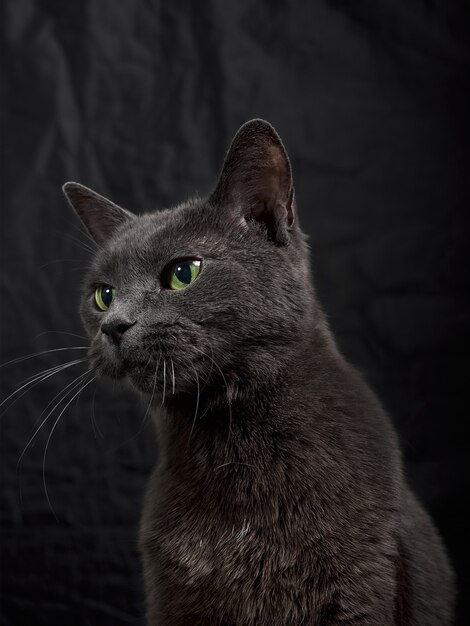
{"x":145,"y":376}
{"x":162,"y":372}
{"x":117,"y":363}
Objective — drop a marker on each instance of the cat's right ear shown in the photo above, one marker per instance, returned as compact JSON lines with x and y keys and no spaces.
{"x":100,"y":216}
{"x":256,"y":181}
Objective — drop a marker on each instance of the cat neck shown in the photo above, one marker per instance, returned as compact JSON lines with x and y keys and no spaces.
{"x":245,"y":421}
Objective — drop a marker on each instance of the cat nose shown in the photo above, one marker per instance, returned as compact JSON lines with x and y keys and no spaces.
{"x":115,"y":328}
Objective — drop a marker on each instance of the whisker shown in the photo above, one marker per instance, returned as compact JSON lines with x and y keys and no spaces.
{"x":82,"y":231}
{"x":142,"y":423}
{"x":164,"y":382}
{"x":197,"y":407}
{"x":81,"y":244}
{"x":84,"y":268}
{"x":211,"y":359}
{"x":234,"y":463}
{"x":74,"y":384}
{"x":173,"y":375}
{"x":55,"y":261}
{"x":60,"y":332}
{"x":214,"y":362}
{"x":50,"y":369}
{"x":172,"y":364}
{"x":49,"y":439}
{"x":229,"y":401}
{"x":210,"y":372}
{"x":77,"y":406}
{"x":44,"y":372}
{"x":36,"y":354}
{"x":94,"y":423}
{"x":174,"y":345}
{"x":151,"y":397}
{"x":35,"y":380}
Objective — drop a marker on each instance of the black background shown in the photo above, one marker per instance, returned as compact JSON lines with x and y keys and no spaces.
{"x":139,"y":101}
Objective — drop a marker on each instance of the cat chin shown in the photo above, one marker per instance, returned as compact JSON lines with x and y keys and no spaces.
{"x":106,"y":370}
{"x":166,"y":384}
{"x":149,"y":378}
{"x":105,"y":367}
{"x":140,"y":385}
{"x":138,"y":378}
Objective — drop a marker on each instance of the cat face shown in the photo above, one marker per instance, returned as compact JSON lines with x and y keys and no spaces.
{"x":211,"y":289}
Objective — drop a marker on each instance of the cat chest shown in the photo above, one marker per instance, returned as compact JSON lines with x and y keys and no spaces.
{"x":215,"y":570}
{"x":197,"y":554}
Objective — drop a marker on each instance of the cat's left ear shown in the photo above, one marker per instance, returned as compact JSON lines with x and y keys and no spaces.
{"x":100,"y":216}
{"x":256,"y":180}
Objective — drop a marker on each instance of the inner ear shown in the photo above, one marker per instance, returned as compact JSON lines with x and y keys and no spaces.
{"x":256,"y":180}
{"x":100,"y":216}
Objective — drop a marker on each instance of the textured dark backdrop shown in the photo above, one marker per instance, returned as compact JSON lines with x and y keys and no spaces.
{"x":139,"y":100}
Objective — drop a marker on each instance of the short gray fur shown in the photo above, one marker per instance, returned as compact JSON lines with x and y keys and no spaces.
{"x":279,"y":498}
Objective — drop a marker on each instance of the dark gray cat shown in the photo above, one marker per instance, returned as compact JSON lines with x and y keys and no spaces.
{"x":279,"y":498}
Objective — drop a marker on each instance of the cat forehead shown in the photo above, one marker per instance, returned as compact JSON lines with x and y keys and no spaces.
{"x":160,"y":236}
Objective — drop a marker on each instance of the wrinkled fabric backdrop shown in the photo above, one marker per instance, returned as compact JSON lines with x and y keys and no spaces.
{"x":139,"y":100}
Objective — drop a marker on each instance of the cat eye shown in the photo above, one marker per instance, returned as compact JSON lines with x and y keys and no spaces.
{"x":183,"y":273}
{"x":104,"y":295}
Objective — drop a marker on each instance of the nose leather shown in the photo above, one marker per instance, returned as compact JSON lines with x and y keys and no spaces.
{"x":115,"y":328}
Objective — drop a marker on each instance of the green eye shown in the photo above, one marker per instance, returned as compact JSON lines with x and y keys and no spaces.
{"x":104,"y":295}
{"x":183,"y":273}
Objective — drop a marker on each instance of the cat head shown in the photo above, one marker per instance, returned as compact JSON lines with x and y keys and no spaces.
{"x":212,"y":290}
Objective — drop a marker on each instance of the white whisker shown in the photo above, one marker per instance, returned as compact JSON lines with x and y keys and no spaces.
{"x":81,"y":244}
{"x":35,"y":380}
{"x":173,"y":375}
{"x":55,"y":261}
{"x":151,"y":397}
{"x":96,"y":428}
{"x":36,"y":354}
{"x":229,"y":401}
{"x":197,"y":407}
{"x":60,"y":332}
{"x":146,"y":411}
{"x":49,"y":439}
{"x":234,"y":463}
{"x":74,"y":384}
{"x":164,"y":382}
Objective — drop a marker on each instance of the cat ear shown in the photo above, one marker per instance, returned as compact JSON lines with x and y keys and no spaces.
{"x":100,"y":216}
{"x":256,"y":179}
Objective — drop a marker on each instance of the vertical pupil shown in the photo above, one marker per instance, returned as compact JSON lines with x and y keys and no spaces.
{"x":183,"y":273}
{"x":106,"y":296}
